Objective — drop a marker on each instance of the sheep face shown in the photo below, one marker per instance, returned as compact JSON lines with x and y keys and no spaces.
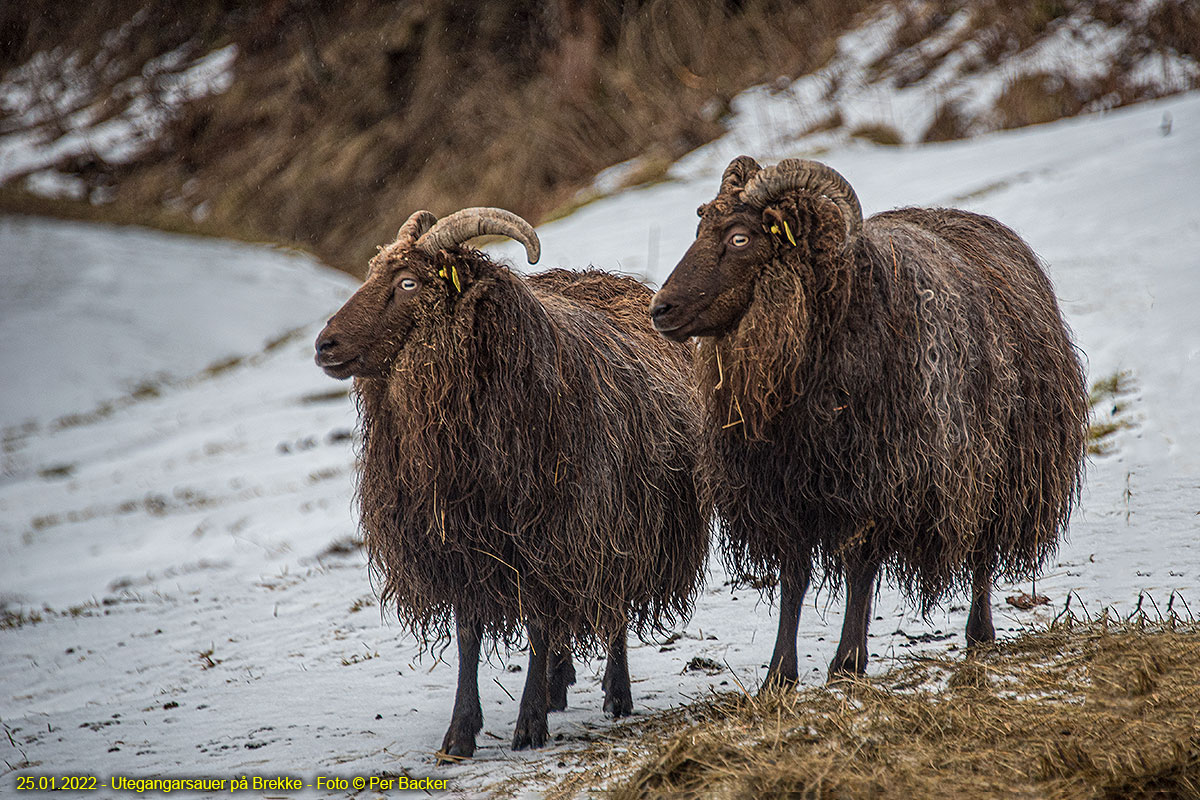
{"x":712,"y":285}
{"x":364,"y":337}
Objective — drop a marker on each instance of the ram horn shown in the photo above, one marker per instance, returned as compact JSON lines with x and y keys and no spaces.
{"x":416,"y":225}
{"x":464,"y":225}
{"x":798,"y":174}
{"x":738,"y":172}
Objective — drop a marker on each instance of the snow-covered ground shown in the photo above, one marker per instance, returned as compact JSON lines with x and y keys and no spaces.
{"x":89,"y":315}
{"x":181,"y":600}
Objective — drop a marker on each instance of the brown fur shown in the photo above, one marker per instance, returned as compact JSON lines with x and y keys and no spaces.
{"x":530,"y":455}
{"x":912,"y":397}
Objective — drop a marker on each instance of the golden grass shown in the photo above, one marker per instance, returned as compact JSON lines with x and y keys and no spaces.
{"x":1110,"y":411}
{"x":878,"y":133}
{"x":1097,"y":709}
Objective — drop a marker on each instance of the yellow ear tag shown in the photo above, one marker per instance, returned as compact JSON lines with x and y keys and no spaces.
{"x":788,"y":231}
{"x":442,"y":272}
{"x":775,"y":229}
{"x":454,"y":277}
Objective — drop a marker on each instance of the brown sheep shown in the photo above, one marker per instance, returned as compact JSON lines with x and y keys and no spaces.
{"x":528,"y":459}
{"x":901,"y":393}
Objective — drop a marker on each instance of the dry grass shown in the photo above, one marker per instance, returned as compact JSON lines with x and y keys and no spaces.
{"x":1110,"y":411}
{"x":344,"y":118}
{"x":1098,"y":709}
{"x":878,"y":133}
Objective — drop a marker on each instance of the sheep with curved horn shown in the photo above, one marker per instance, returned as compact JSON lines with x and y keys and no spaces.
{"x":528,"y":459}
{"x":895,"y":394}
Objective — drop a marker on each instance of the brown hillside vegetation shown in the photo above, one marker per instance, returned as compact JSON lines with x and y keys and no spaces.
{"x":1080,"y":710}
{"x":342,"y":118}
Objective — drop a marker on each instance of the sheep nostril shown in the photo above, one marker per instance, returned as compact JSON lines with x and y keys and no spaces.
{"x":325,"y":345}
{"x":659,"y":309}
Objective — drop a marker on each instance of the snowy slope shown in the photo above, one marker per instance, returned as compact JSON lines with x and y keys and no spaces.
{"x":88,"y":314}
{"x":181,"y":609}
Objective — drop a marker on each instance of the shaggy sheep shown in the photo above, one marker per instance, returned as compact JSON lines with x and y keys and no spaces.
{"x":900,"y":393}
{"x":529,"y":456}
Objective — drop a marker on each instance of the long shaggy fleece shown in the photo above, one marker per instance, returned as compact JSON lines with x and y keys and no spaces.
{"x":915,"y":396}
{"x":532,"y":456}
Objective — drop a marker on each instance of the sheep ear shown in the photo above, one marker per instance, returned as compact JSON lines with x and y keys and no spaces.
{"x":784,"y":227}
{"x":454,"y":278}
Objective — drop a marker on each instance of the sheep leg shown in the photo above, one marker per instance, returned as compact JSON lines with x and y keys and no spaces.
{"x":562,"y":675}
{"x":783,"y":672}
{"x":851,"y":656}
{"x":467,"y":719}
{"x":979,"y":621}
{"x":532,"y":730}
{"x":618,"y":697}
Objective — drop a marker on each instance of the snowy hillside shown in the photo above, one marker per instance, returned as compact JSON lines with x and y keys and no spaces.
{"x":89,"y":315}
{"x":180,"y":595}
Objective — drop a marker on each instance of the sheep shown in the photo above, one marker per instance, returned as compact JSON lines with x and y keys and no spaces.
{"x":900,"y":394}
{"x":529,"y":456}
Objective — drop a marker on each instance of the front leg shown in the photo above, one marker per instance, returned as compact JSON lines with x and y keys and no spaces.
{"x":562,"y":675}
{"x":467,"y":719}
{"x":618,"y":696}
{"x":979,"y":622}
{"x":532,"y":730}
{"x":783,"y":671}
{"x":851,"y":657}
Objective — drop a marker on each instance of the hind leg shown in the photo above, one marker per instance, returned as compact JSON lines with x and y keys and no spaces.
{"x":851,"y":657}
{"x":979,"y":622}
{"x":618,"y":696}
{"x":783,"y":671}
{"x":562,"y":675}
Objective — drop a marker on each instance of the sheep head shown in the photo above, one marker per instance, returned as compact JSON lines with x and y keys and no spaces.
{"x":416,"y":277}
{"x":760,"y":217}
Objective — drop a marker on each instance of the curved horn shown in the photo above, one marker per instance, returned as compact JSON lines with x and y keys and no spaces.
{"x":811,"y":176}
{"x":416,"y":225}
{"x":738,"y":172}
{"x":471,"y":222}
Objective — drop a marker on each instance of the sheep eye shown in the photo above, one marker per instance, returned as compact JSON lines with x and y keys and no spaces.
{"x":739,"y":240}
{"x":408,"y":285}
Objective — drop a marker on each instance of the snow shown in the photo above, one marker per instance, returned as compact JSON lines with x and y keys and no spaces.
{"x":185,"y":614}
{"x":54,"y":110}
{"x":863,"y":87}
{"x":88,"y":313}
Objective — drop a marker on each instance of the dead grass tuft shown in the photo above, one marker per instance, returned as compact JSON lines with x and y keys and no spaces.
{"x":1110,"y":411}
{"x":878,"y":133}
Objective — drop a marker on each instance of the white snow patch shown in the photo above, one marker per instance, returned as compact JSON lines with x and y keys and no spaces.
{"x":52,"y":111}
{"x":770,"y":123}
{"x":89,"y":313}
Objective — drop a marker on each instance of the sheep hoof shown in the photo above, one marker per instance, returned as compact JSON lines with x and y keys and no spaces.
{"x":530,"y":733}
{"x":618,"y":704}
{"x":980,"y":634}
{"x":780,"y":680}
{"x":852,"y":662}
{"x":455,"y":749}
{"x":562,"y":676}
